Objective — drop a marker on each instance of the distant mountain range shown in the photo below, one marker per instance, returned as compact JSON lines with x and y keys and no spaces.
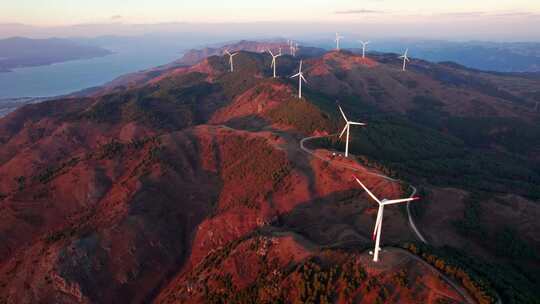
{"x":24,"y":52}
{"x":486,"y":56}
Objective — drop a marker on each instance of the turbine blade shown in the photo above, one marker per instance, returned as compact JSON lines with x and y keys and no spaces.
{"x":369,"y":192}
{"x":357,"y":123}
{"x":397,"y":201}
{"x":343,"y":132}
{"x":271,"y":54}
{"x":295,"y":75}
{"x":303,"y":78}
{"x":343,"y":114}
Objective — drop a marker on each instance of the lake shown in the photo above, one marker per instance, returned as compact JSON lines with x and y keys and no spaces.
{"x":67,"y":77}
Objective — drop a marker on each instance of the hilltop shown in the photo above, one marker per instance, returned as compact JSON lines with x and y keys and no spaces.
{"x":188,"y":182}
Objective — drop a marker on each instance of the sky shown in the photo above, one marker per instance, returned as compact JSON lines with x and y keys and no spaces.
{"x":489,"y":17}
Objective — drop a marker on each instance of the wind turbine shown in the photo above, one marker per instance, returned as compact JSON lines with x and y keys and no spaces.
{"x":300,"y":76}
{"x":291,"y":48}
{"x":347,"y":128}
{"x":364,"y":45}
{"x":338,"y":38}
{"x":378,"y":223}
{"x":405,"y":59}
{"x":274,"y":57}
{"x":231,"y":59}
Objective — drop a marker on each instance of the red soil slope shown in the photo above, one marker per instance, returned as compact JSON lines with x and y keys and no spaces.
{"x":283,"y":267}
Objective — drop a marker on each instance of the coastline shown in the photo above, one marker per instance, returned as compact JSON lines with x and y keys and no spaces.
{"x":10,"y":69}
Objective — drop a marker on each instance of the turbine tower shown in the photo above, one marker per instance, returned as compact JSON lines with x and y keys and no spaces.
{"x":348,"y":128}
{"x":364,"y":45}
{"x":231,"y":59}
{"x":405,"y":59}
{"x":378,"y":222}
{"x":300,"y":76}
{"x":338,"y":39}
{"x":274,"y":57}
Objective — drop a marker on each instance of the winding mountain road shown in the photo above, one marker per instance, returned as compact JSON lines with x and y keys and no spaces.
{"x":413,"y":193}
{"x":450,"y":281}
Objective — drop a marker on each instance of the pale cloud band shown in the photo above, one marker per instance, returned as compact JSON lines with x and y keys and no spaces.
{"x":359,"y":12}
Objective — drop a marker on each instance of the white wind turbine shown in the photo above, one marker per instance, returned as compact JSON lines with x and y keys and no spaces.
{"x":300,"y":76}
{"x":338,"y":39}
{"x":348,"y":128}
{"x":291,"y":48}
{"x":378,"y":222}
{"x":405,"y":59}
{"x":274,"y":57}
{"x":231,"y":59}
{"x":364,"y":46}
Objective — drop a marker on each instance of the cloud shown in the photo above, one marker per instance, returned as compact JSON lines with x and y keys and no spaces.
{"x":116,"y":17}
{"x":359,"y":12}
{"x":463,"y":14}
{"x":516,"y":14}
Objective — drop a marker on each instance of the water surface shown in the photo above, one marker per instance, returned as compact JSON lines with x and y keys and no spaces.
{"x":71,"y":76}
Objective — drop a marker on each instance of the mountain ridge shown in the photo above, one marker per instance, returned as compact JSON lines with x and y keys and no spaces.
{"x":129,"y":192}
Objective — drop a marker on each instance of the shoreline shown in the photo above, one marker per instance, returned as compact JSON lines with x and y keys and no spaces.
{"x":11,"y":69}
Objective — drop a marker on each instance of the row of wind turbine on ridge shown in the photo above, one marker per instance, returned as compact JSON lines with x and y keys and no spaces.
{"x":378,"y":222}
{"x":382,"y":203}
{"x":346,"y":129}
{"x":294,"y":47}
{"x":364,"y":47}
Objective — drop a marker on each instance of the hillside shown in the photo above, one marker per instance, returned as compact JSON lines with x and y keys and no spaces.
{"x":188,"y":184}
